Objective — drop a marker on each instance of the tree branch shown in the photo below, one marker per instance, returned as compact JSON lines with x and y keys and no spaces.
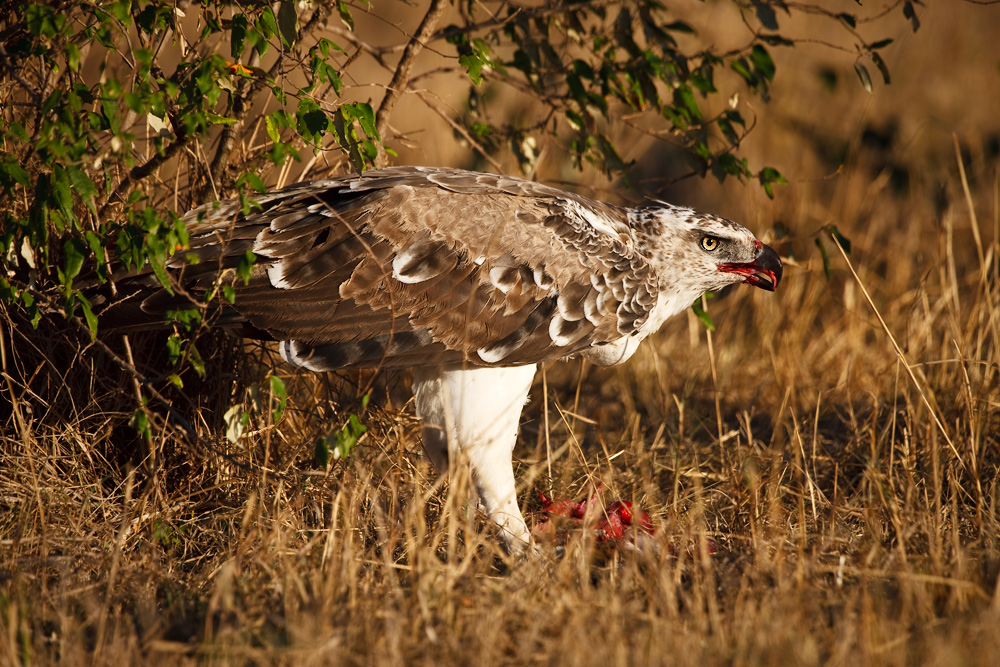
{"x":436,"y":108}
{"x":401,"y":77}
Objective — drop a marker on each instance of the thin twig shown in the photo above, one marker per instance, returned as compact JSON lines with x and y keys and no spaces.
{"x":461,"y":130}
{"x":522,"y":14}
{"x":401,"y":77}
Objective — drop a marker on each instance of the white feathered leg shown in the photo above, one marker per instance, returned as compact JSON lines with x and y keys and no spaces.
{"x":471,"y":414}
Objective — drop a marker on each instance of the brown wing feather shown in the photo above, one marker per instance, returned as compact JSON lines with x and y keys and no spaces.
{"x":415,"y":266}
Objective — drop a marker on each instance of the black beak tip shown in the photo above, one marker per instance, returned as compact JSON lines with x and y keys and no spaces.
{"x":768,"y":262}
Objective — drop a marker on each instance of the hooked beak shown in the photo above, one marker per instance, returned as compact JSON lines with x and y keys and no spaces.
{"x":764,"y":272}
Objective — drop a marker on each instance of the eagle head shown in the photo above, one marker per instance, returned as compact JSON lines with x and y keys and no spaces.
{"x":710,"y":251}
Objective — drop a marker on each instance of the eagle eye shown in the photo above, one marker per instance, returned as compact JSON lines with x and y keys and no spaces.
{"x":710,"y":243}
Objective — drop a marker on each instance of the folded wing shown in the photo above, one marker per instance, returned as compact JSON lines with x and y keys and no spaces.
{"x":411,"y":266}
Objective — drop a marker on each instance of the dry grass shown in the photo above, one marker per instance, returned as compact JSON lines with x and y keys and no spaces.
{"x":854,"y":507}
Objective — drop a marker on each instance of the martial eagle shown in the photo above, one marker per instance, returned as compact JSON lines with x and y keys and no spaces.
{"x":471,"y":279}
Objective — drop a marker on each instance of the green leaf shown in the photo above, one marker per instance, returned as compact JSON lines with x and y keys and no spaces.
{"x":613,"y":162}
{"x":844,"y":242}
{"x":194,"y":358}
{"x":699,"y":310}
{"x":703,"y":80}
{"x":345,"y":14}
{"x":321,"y":453}
{"x":120,"y":10}
{"x":882,"y":68}
{"x":335,"y":80}
{"x":881,"y":44}
{"x":825,"y":257}
{"x":280,"y":394}
{"x":134,"y":102}
{"x":185,"y":316}
{"x":31,"y":307}
{"x":366,"y":117}
{"x":911,"y":13}
{"x":733,"y":166}
{"x":180,"y":231}
{"x":17,"y":131}
{"x":769,"y":176}
{"x":38,"y":19}
{"x":348,"y":437}
{"x":11,"y":172}
{"x":83,"y":186}
{"x":766,"y":16}
{"x":238,"y":35}
{"x":271,"y":125}
{"x":244,"y":269}
{"x":73,"y":57}
{"x":727,"y":130}
{"x":684,"y":98}
{"x":174,"y":348}
{"x":287,"y":23}
{"x":74,"y":252}
{"x":96,"y":246}
{"x":258,"y":33}
{"x":763,"y":62}
{"x":253,"y":180}
{"x":155,"y":18}
{"x":473,"y":65}
{"x":313,"y":125}
{"x":339,"y":444}
{"x":734,"y":117}
{"x":701,"y":149}
{"x":140,"y":422}
{"x":370,"y":150}
{"x":216,"y":119}
{"x":62,"y":194}
{"x":325,"y":45}
{"x":575,"y":120}
{"x":88,"y":314}
{"x":156,"y":262}
{"x":741,"y":67}
{"x":267,"y":23}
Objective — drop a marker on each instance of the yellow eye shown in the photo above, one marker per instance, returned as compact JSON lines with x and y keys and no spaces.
{"x":709,"y":243}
